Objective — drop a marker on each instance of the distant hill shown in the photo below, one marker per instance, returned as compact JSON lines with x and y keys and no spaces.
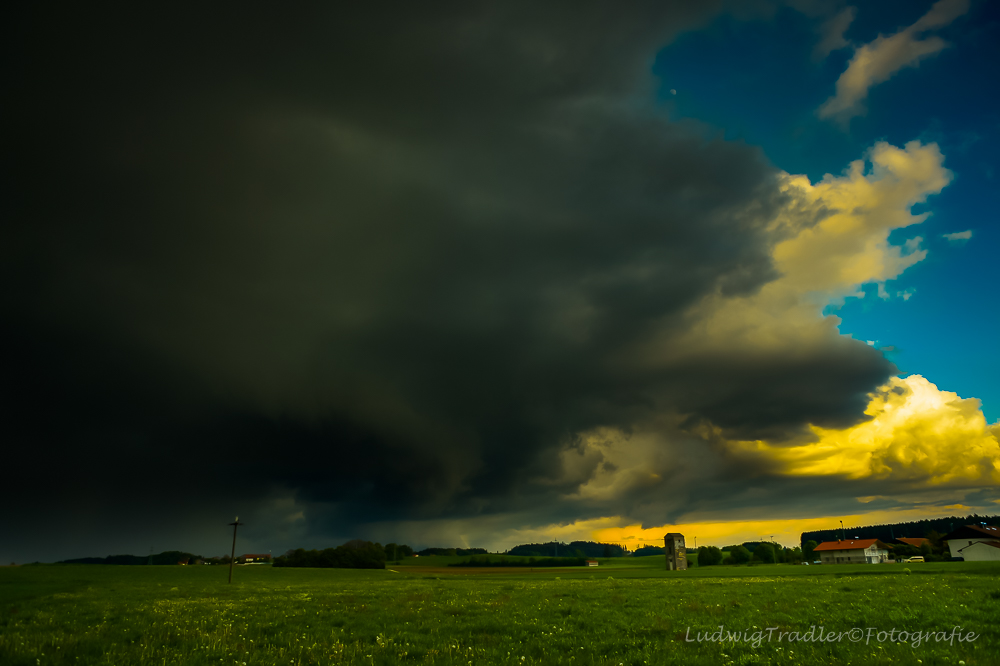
{"x":888,"y":532}
{"x":166,"y":557}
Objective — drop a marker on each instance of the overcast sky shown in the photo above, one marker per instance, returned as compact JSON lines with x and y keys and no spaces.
{"x":474,"y":274}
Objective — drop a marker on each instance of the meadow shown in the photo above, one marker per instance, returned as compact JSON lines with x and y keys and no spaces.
{"x":626,"y":611}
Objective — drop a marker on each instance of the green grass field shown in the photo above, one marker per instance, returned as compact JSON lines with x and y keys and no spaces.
{"x":627,"y":611}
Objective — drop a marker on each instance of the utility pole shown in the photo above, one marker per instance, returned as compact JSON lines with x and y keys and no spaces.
{"x":232,"y":557}
{"x":841,"y":530}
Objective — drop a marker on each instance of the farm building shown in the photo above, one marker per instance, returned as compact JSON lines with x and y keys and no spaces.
{"x":915,"y":542}
{"x":592,"y":563}
{"x":981,"y":551}
{"x":960,"y":540}
{"x":673,"y":542}
{"x":255,"y":559}
{"x":853,"y":551}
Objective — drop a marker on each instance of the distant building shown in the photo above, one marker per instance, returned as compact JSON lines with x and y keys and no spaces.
{"x":960,"y":542}
{"x":592,"y":563}
{"x":676,"y":553}
{"x":853,"y":551}
{"x":916,"y":543}
{"x":981,"y":551}
{"x":255,"y":559}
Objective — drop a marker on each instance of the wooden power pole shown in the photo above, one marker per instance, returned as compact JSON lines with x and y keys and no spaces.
{"x":232,"y":557}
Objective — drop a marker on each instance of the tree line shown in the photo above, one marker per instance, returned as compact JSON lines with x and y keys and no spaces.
{"x":355,"y":554}
{"x":452,"y":551}
{"x":889,"y":532}
{"x":749,"y":552}
{"x":583,"y":549}
{"x":646,"y":551}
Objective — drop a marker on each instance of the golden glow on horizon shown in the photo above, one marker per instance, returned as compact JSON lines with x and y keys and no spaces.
{"x":785,"y":531}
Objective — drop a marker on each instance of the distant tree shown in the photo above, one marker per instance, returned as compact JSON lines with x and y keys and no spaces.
{"x":607,"y":550}
{"x":764,"y":553}
{"x":355,"y":554}
{"x":645,"y":551}
{"x":740,"y":555}
{"x":709,"y":556}
{"x":394,"y":551}
{"x":807,"y":551}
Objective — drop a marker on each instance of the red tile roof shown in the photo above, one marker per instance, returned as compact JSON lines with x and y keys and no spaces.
{"x":972,"y":532}
{"x":849,"y":544}
{"x":986,"y":529}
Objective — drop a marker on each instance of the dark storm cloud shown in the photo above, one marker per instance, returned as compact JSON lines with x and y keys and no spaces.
{"x":383,"y":259}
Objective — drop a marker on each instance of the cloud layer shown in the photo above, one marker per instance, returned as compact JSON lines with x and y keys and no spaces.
{"x":410,"y":275}
{"x":877,"y":61}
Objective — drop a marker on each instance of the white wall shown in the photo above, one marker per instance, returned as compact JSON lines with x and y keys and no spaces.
{"x":977,"y":552}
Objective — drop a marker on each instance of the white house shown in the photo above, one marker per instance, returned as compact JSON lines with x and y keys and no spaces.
{"x":960,"y":540}
{"x":853,"y":551}
{"x":981,"y":551}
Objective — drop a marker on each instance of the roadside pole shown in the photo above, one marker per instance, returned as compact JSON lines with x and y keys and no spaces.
{"x":232,"y":556}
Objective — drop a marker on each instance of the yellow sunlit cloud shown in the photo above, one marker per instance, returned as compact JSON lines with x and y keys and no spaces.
{"x":850,"y":246}
{"x":917,"y":432}
{"x":834,"y":238}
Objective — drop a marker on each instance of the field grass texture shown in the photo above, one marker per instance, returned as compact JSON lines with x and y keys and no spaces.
{"x":623,"y":612}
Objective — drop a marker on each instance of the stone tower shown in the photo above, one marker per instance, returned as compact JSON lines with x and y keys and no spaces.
{"x":673,"y":543}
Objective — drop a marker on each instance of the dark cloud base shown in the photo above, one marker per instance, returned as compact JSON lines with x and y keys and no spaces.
{"x":382,"y":260}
